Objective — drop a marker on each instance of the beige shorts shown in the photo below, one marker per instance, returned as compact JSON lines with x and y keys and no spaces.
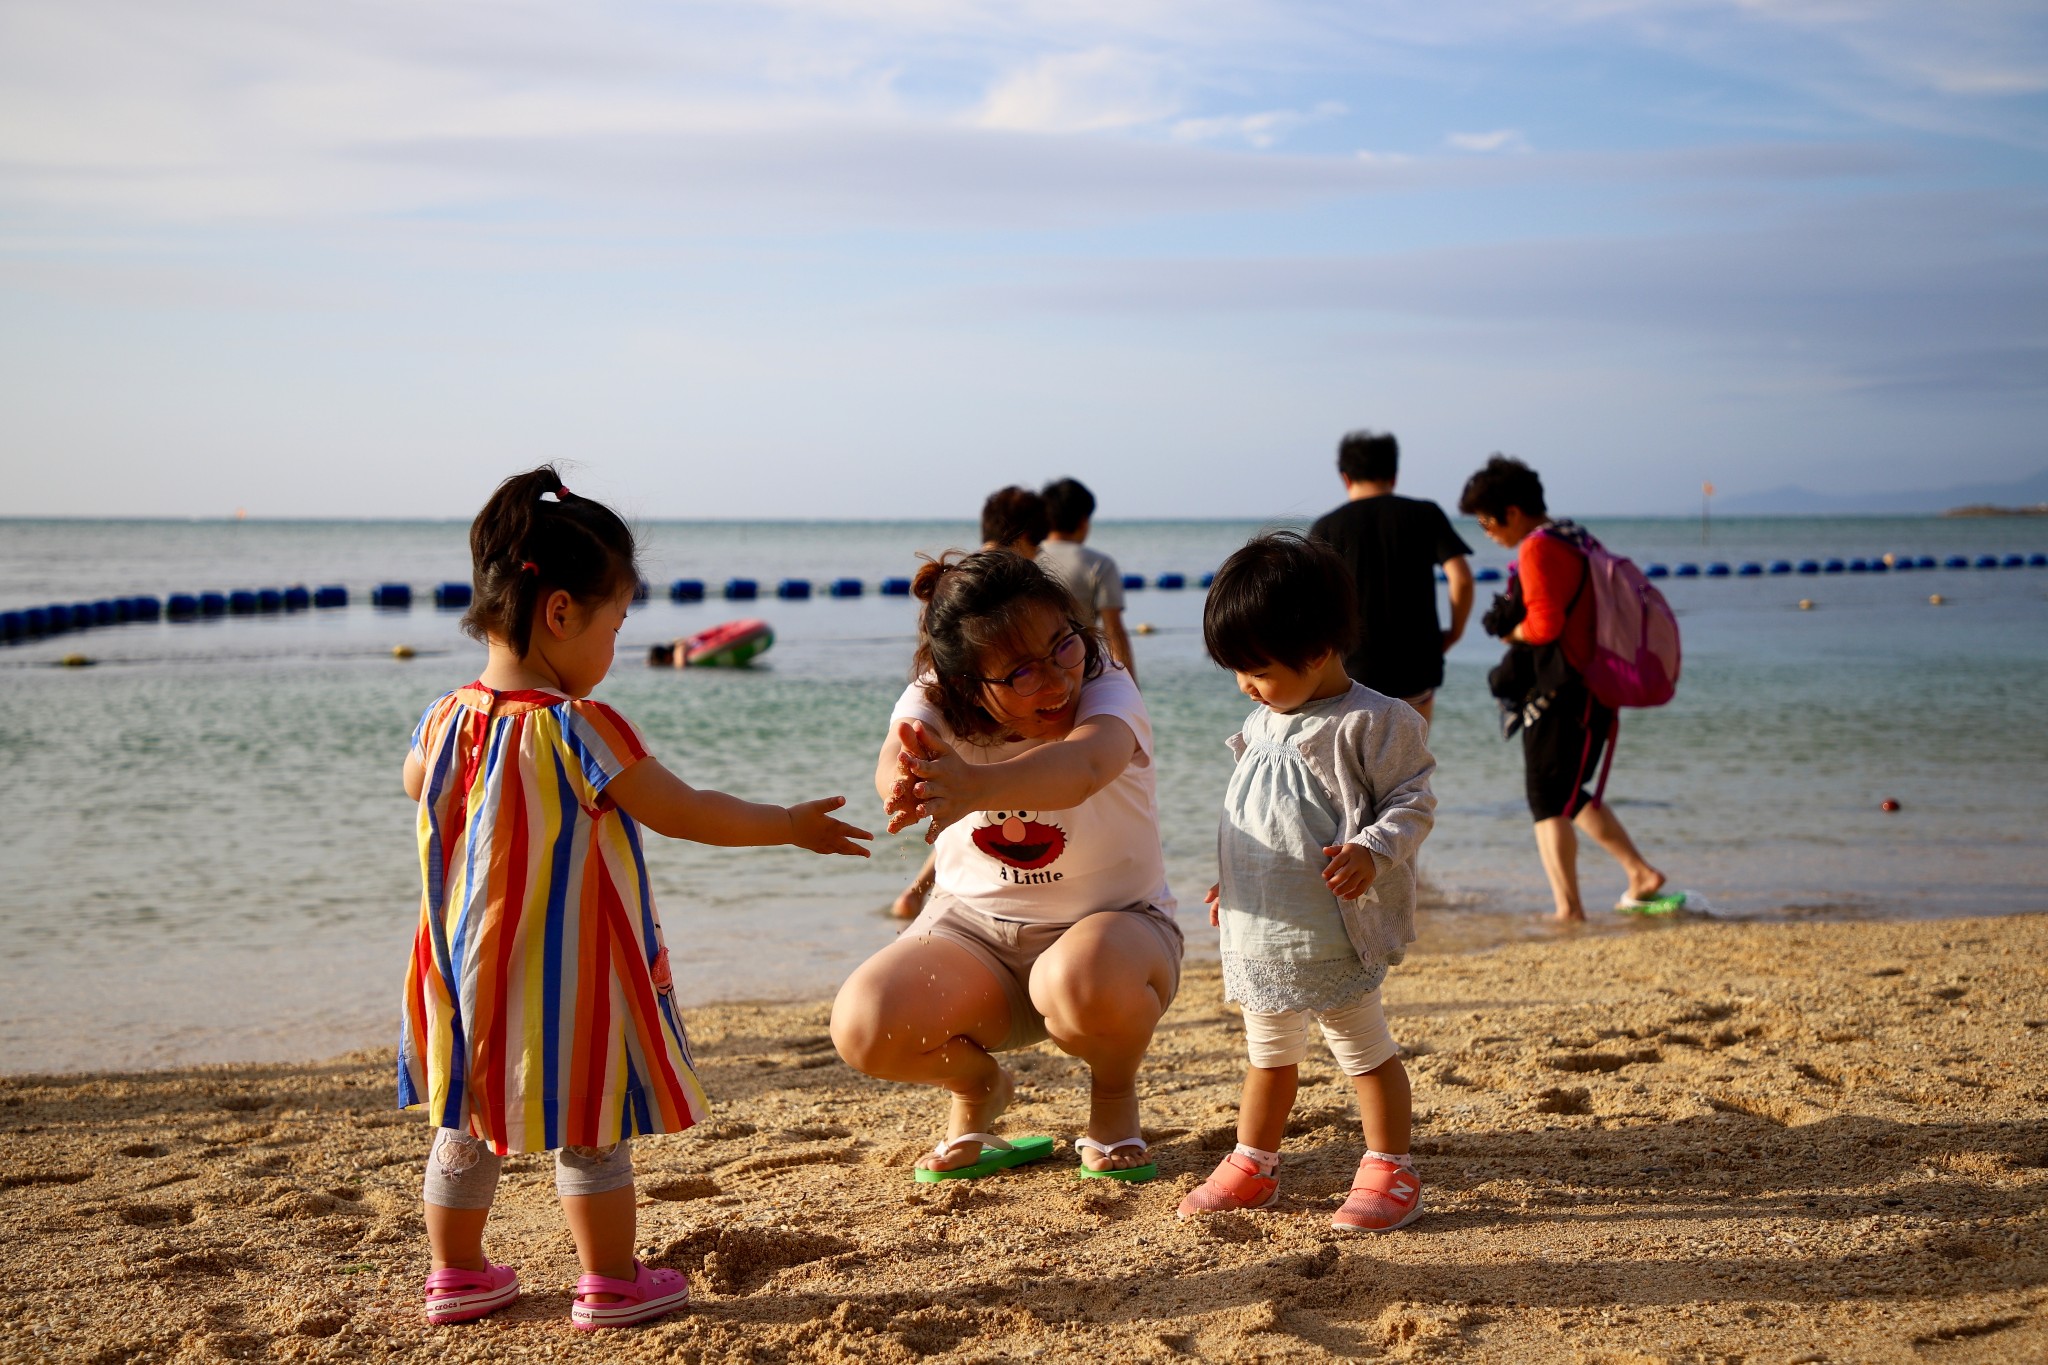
{"x":1357,"y":1034}
{"x":1009,"y":947}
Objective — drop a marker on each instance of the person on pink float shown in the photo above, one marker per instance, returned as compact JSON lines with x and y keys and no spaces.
{"x":1327,"y":807}
{"x":539,"y":1012}
{"x":1030,"y":753}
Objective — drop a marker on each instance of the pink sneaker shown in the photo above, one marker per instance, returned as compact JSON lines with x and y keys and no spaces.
{"x":1234,"y":1184}
{"x":1384,"y":1196}
{"x":457,"y":1295}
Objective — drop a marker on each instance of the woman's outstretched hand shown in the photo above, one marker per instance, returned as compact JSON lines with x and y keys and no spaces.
{"x":811,"y":826}
{"x":935,"y":784}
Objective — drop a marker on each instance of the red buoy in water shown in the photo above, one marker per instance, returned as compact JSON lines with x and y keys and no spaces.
{"x":1888,"y":805}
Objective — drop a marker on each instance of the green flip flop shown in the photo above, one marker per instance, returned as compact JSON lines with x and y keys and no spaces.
{"x":1655,"y":905}
{"x":1135,"y":1175}
{"x":996,"y":1155}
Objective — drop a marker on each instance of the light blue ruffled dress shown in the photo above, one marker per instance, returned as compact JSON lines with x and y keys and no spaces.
{"x":1283,"y":937}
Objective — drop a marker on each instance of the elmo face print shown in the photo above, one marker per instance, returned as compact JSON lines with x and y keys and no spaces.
{"x":1016,"y":840}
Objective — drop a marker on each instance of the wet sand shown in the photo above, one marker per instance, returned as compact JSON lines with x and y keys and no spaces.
{"x":1694,"y":1143}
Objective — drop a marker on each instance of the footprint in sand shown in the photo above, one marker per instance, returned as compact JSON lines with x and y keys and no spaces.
{"x":1577,"y":1100}
{"x":681,"y":1188}
{"x":1581,"y":1062}
{"x":17,"y":1179}
{"x":152,"y":1215}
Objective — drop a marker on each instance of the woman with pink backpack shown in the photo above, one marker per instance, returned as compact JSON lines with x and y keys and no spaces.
{"x":1586,"y":634}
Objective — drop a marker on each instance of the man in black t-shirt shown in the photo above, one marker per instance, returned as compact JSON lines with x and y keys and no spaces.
{"x":1393,"y":546}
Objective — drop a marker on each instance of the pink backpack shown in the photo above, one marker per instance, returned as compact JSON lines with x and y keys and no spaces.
{"x":1635,"y":633}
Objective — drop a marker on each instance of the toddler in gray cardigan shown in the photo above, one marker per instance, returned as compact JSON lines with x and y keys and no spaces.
{"x":1326,"y":810}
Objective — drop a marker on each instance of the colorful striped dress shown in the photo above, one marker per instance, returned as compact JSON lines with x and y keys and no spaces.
{"x":538,"y":1012}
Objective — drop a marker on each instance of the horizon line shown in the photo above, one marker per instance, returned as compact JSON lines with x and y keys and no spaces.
{"x":287,"y":519}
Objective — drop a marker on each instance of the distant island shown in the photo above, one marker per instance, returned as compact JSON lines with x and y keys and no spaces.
{"x":1985,"y":509}
{"x":2027,"y":497}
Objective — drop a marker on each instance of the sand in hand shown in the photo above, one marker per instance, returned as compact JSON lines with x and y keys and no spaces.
{"x":1695,"y":1143}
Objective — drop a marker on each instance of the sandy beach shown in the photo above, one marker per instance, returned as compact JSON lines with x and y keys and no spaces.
{"x":1696,"y":1143}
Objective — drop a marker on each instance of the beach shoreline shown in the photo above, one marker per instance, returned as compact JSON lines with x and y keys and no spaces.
{"x":1765,"y":1142}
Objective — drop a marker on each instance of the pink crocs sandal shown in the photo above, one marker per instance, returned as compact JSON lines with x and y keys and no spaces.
{"x":457,"y":1295}
{"x":649,"y":1294}
{"x":1384,"y":1195}
{"x":1234,"y":1184}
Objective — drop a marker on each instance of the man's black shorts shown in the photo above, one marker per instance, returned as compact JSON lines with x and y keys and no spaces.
{"x":1561,"y":751}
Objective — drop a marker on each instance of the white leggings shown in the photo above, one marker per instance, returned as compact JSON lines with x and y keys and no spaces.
{"x":1357,"y":1035}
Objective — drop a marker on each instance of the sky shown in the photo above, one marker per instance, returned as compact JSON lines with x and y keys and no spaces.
{"x":874,"y":258}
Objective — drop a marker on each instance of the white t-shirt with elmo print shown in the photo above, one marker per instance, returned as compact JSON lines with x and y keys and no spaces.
{"x":1054,"y":866}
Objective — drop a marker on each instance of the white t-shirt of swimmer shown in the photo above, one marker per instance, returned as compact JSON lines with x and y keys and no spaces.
{"x":1054,"y":866}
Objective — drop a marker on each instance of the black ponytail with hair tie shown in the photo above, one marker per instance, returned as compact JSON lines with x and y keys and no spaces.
{"x":587,"y":549}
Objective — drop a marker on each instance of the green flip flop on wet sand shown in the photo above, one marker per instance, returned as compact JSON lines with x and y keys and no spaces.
{"x":1135,"y":1175}
{"x":996,"y":1155}
{"x":1655,"y":905}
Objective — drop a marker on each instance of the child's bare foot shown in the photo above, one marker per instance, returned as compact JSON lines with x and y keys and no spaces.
{"x":910,"y":904}
{"x":971,"y":1115}
{"x":1113,"y":1117}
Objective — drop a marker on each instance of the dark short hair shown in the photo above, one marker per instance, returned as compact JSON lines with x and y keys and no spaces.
{"x":973,"y":605}
{"x":534,"y":536}
{"x":1369,"y":457}
{"x":1013,"y":514}
{"x":1068,"y":503}
{"x":1282,"y":599}
{"x":1505,"y":482}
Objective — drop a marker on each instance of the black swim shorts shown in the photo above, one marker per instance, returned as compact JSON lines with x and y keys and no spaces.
{"x":1561,"y":751}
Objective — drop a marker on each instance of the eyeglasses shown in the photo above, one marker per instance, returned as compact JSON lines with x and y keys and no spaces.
{"x":1032,"y":677}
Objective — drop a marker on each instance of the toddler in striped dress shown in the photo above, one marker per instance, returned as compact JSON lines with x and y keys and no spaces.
{"x":539,"y":1013}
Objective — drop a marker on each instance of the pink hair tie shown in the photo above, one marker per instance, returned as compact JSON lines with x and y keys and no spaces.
{"x":561,"y":494}
{"x":529,"y":566}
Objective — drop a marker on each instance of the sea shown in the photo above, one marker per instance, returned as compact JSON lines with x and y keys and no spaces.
{"x":206,"y":854}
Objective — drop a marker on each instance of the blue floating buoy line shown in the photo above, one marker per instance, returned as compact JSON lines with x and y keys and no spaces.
{"x":803,"y":589}
{"x":59,"y":618}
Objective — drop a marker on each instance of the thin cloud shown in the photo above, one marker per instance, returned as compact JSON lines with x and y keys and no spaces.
{"x":1499,"y":140}
{"x":1082,"y":92}
{"x":1259,"y":130}
{"x":844,"y":175}
{"x":1891,"y":295}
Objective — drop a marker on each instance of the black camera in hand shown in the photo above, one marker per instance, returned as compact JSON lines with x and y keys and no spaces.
{"x":1504,"y":615}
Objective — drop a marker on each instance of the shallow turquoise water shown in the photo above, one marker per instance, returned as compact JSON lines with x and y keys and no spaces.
{"x":207,"y":854}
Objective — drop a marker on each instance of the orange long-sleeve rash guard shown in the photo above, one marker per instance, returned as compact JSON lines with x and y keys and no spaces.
{"x":1552,"y":572}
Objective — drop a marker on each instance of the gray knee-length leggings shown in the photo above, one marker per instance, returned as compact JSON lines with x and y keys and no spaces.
{"x":463,"y":1171}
